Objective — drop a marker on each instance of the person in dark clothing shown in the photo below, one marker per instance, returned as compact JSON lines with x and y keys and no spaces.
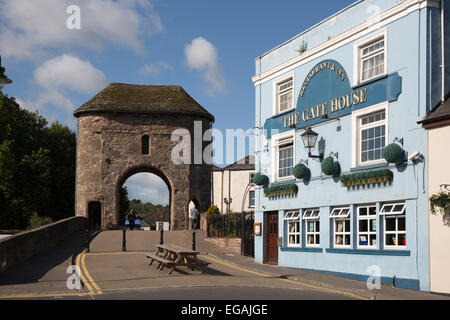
{"x":195,"y":216}
{"x":131,"y":218}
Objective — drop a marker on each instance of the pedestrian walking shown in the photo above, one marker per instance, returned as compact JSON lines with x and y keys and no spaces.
{"x":195,"y":215}
{"x":131,"y":218}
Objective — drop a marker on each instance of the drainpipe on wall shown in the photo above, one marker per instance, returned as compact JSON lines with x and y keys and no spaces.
{"x":442,"y":52}
{"x":229,"y":190}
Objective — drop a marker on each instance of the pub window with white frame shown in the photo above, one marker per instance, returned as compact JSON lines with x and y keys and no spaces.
{"x":370,"y":134}
{"x":372,"y":59}
{"x":394,"y":225}
{"x":292,"y":219}
{"x":312,"y":232}
{"x":341,"y":227}
{"x":367,"y":226}
{"x":285,"y":95}
{"x":285,"y":157}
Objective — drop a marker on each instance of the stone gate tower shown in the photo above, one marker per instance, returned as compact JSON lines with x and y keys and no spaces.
{"x":127,"y":129}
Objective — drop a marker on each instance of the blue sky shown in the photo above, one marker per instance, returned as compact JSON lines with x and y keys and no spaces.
{"x":206,"y":46}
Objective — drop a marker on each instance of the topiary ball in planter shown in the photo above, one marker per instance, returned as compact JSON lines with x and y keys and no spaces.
{"x":260,"y":179}
{"x":393,"y":153}
{"x":300,"y":171}
{"x":330,"y":167}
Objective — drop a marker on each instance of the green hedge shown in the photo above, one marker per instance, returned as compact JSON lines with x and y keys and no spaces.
{"x":260,"y":179}
{"x":368,"y":177}
{"x":281,"y":190}
{"x":393,"y":153}
{"x":330,"y":167}
{"x":300,"y":171}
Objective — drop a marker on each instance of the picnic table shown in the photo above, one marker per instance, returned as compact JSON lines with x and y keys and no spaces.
{"x":172,"y":256}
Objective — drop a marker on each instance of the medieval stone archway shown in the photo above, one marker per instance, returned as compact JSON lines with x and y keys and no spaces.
{"x":140,"y":169}
{"x":126,"y":129}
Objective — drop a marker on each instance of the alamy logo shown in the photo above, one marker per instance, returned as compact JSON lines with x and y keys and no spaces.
{"x":74,"y":20}
{"x":74,"y":280}
{"x":374,"y":280}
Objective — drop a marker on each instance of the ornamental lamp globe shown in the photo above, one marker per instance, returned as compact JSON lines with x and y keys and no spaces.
{"x":309,"y":138}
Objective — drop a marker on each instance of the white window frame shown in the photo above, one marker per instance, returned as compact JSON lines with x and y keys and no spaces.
{"x":337,"y":215}
{"x":312,"y":215}
{"x":292,"y":216}
{"x":356,"y":132}
{"x":391,"y":214}
{"x":360,"y":44}
{"x":282,"y":139}
{"x":369,"y":232}
{"x":276,"y":100}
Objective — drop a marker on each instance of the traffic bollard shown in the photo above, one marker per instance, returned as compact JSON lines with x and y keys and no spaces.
{"x":124,"y":240}
{"x":193,"y":240}
{"x":161,"y":236}
{"x":87,"y":240}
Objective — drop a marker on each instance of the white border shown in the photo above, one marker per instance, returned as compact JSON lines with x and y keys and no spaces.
{"x":275,"y":94}
{"x":369,"y":232}
{"x":356,"y":58}
{"x":281,"y":136}
{"x":355,"y":132}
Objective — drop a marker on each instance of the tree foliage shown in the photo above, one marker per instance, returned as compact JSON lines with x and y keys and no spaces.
{"x":142,"y":209}
{"x":37,"y":167}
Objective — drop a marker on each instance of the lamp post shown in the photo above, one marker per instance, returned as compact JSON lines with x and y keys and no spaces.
{"x":4,"y":80}
{"x":309,"y":138}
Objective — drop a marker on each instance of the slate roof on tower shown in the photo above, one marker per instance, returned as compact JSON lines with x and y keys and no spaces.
{"x":122,"y":97}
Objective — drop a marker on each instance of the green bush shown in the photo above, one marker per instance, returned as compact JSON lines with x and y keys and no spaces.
{"x":260,"y":179}
{"x":37,"y":221}
{"x":300,"y":171}
{"x":212,"y":211}
{"x":393,"y":153}
{"x":330,"y":167}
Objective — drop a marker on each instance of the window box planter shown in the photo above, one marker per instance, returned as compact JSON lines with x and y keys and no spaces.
{"x":281,"y":190}
{"x":370,"y":177}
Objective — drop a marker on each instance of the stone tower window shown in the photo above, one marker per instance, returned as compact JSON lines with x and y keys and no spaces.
{"x":145,"y":144}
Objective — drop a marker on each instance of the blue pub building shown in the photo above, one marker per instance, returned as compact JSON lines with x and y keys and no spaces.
{"x":341,"y":160}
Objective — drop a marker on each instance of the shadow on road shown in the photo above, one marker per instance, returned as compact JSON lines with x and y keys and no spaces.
{"x":36,"y":269}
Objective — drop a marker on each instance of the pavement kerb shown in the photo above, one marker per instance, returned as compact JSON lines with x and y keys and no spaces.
{"x":311,"y":284}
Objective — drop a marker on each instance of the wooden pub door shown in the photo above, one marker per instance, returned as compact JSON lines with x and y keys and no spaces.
{"x":272,"y":237}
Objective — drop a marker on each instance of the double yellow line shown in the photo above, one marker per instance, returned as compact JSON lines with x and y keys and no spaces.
{"x":303,"y":284}
{"x":91,"y":286}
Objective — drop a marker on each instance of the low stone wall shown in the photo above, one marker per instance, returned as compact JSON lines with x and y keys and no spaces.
{"x":22,"y":246}
{"x":231,"y":245}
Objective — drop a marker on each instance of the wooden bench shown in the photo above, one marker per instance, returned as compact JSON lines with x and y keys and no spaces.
{"x":198,"y":263}
{"x":162,"y":262}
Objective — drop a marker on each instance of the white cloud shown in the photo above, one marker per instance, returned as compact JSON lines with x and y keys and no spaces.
{"x":70,"y":72}
{"x":148,"y":188}
{"x":202,"y":55}
{"x":155,"y":68}
{"x":31,"y":29}
{"x":57,"y":75}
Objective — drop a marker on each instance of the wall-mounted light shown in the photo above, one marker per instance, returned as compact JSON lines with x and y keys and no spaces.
{"x":309,"y":138}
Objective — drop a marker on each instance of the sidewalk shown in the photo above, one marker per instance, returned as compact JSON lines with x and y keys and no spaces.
{"x":318,"y":279}
{"x":115,"y":271}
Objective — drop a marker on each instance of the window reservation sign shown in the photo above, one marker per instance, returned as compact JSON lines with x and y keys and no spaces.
{"x":326,"y":94}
